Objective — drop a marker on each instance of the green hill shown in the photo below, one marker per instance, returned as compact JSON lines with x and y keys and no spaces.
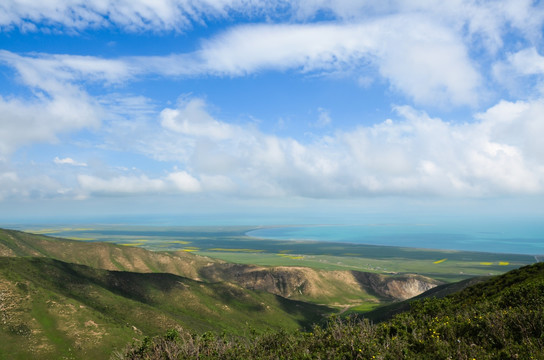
{"x":100,"y":255}
{"x":53,"y":309}
{"x":386,"y":312}
{"x":341,"y":289}
{"x":70,"y":299}
{"x":499,"y":318}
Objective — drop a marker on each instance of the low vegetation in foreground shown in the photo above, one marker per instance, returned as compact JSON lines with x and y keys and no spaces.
{"x":501,"y":318}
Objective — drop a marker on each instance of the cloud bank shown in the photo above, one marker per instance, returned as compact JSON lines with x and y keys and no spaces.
{"x":429,"y":54}
{"x":499,"y":152}
{"x":484,"y":19}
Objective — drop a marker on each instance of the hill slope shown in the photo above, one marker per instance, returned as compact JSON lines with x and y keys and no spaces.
{"x":386,"y":312}
{"x":101,"y":255}
{"x":52,"y":309}
{"x":499,"y":318}
{"x":337,"y":288}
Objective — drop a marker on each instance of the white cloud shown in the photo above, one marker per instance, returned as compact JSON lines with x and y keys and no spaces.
{"x":50,"y":72}
{"x":14,"y":185}
{"x":430,"y":69}
{"x":521,"y":72}
{"x":42,"y":119}
{"x":518,"y":124}
{"x":68,"y":161}
{"x":184,"y":182}
{"x":527,"y":62}
{"x":191,"y":118}
{"x":56,"y":106}
{"x":486,"y":20}
{"x":175,"y":182}
{"x":131,"y":15}
{"x":480,"y":21}
{"x":9,"y":184}
{"x":421,"y":48}
{"x":323,"y":119}
{"x":499,"y":152}
{"x":218,"y":184}
{"x":120,"y":185}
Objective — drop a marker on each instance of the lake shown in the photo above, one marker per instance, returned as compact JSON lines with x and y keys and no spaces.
{"x":519,"y":237}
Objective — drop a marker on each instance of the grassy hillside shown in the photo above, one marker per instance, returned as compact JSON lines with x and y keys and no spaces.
{"x":52,"y":309}
{"x":499,"y":318}
{"x":100,"y":255}
{"x":233,"y":245}
{"x":341,"y":289}
{"x":62,"y":299}
{"x":386,"y":312}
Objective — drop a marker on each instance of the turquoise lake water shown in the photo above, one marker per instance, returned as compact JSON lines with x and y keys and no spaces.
{"x":521,"y":237}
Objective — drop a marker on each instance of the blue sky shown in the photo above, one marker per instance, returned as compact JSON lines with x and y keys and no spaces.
{"x":313,"y":110}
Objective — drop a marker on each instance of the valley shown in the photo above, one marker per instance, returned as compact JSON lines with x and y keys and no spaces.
{"x":73,"y":297}
{"x":231,"y":244}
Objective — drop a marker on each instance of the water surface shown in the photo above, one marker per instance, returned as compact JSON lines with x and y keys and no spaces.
{"x":505,"y":237}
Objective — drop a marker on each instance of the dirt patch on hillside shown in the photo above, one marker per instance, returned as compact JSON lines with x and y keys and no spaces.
{"x":399,"y":287}
{"x":301,"y":282}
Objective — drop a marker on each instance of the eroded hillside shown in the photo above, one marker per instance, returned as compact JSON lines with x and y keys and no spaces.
{"x":334,"y":287}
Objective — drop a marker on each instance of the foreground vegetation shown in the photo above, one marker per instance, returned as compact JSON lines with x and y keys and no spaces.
{"x":501,"y":318}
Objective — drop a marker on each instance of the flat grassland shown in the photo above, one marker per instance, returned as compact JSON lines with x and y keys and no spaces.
{"x":233,"y":245}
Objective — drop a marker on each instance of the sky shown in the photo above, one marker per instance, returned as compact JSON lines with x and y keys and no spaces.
{"x":304,"y":110}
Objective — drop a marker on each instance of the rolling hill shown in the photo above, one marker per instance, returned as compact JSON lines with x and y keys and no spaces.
{"x":66,"y":298}
{"x":336,"y":288}
{"x":52,"y":309}
{"x":501,"y":317}
{"x":70,"y":299}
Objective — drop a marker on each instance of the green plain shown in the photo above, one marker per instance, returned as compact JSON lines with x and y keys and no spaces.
{"x":231,"y":244}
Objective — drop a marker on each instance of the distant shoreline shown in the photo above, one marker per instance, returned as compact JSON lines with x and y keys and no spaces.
{"x":304,"y":233}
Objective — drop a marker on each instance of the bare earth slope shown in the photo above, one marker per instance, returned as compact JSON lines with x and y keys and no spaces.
{"x":332,"y":287}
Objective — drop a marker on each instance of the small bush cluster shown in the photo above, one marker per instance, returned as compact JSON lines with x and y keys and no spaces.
{"x":500,"y":319}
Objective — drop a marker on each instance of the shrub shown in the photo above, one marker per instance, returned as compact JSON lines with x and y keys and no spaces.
{"x":501,"y":319}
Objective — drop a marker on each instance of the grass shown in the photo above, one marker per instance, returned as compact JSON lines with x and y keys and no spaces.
{"x":236,"y":250}
{"x":48,"y":325}
{"x":231,"y":244}
{"x":387,"y":260}
{"x":452,"y":270}
{"x":124,"y":305}
{"x":361,"y":309}
{"x":500,"y":318}
{"x":76,"y":310}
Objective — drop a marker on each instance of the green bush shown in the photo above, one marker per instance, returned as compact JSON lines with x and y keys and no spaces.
{"x":500,"y":319}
